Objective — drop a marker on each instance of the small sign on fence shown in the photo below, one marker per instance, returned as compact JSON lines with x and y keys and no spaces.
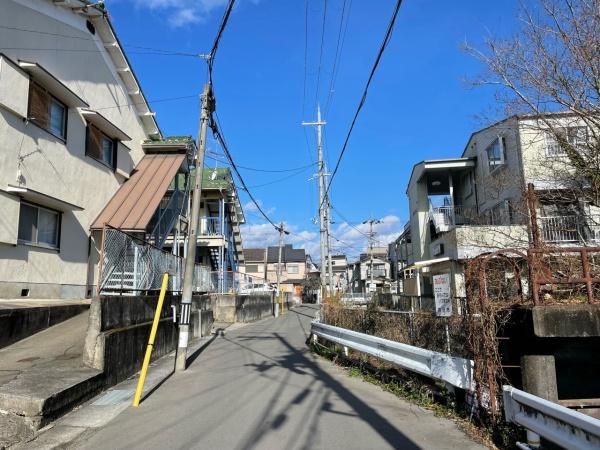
{"x":441,"y":292}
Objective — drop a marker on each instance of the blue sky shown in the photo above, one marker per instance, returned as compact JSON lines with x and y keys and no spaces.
{"x":419,"y":106}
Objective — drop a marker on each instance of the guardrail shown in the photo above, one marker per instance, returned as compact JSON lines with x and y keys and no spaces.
{"x":563,"y":426}
{"x":439,"y":366}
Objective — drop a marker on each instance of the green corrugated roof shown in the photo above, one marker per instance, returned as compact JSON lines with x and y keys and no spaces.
{"x":220,"y":180}
{"x":170,"y":140}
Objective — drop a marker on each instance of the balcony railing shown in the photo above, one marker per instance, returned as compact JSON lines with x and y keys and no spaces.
{"x":210,"y":226}
{"x":445,"y":217}
{"x":570,"y":229}
{"x":377,"y":273}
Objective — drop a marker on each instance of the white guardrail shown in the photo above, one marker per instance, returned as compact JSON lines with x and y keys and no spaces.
{"x":563,"y":426}
{"x":440,"y":366}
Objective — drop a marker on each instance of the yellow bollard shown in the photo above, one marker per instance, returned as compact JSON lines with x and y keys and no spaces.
{"x":161,"y":298}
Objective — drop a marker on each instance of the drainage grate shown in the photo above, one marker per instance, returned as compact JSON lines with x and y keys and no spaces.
{"x":114,"y":397}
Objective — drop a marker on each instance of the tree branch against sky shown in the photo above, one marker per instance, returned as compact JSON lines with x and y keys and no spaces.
{"x":552,"y":64}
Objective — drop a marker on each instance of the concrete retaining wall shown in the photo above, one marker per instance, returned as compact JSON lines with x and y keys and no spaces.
{"x":19,"y":323}
{"x":119,"y":328}
{"x":241,"y":308}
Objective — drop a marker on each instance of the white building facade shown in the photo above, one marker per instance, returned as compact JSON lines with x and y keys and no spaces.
{"x":72,"y":122}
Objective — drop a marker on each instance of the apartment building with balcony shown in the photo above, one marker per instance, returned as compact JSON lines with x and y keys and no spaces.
{"x":73,"y":118}
{"x":462,"y":207}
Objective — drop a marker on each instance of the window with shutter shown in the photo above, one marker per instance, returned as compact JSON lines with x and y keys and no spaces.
{"x":39,"y":105}
{"x":46,"y":111}
{"x":100,"y":147}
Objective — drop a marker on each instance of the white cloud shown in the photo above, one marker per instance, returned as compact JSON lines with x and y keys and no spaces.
{"x":251,"y":208}
{"x":180,"y":13}
{"x":354,"y":237}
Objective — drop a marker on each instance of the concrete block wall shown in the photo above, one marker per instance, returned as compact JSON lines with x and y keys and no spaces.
{"x":119,"y":327}
{"x":19,"y":323}
{"x":241,"y":308}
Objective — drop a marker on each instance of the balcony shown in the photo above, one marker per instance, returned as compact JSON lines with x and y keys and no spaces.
{"x":579,"y":229}
{"x":210,"y":226}
{"x":444,"y":218}
{"x":377,"y":273}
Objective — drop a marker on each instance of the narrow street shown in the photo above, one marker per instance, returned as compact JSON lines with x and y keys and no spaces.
{"x":259,"y":386}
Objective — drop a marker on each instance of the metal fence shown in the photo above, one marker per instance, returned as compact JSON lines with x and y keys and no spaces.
{"x":128,"y":264}
{"x":570,"y":229}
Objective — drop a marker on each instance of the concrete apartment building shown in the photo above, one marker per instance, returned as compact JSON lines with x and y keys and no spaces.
{"x":373,"y":265}
{"x":73,"y":119}
{"x":462,"y":207}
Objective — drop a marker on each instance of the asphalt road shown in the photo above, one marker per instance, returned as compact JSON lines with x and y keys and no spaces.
{"x":259,"y":387}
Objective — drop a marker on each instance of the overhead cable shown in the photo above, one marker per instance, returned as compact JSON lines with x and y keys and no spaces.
{"x":386,"y":40}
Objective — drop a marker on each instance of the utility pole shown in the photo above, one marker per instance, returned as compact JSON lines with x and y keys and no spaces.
{"x":281,"y":233}
{"x":190,"y":260}
{"x":329,"y":263}
{"x":322,"y":217}
{"x":371,"y":222}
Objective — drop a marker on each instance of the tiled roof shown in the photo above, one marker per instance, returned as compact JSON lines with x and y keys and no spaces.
{"x":254,"y":254}
{"x":288,"y":254}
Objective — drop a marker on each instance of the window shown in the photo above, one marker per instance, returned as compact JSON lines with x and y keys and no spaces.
{"x":100,"y":147}
{"x":292,"y":268}
{"x":39,"y":226}
{"x":576,"y":137}
{"x":46,"y":111}
{"x":496,"y":154}
{"x":252,"y":268}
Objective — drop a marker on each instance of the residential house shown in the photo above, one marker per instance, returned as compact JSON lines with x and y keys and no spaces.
{"x":72,"y":123}
{"x":255,"y":264}
{"x":462,"y":207}
{"x":339,"y":268}
{"x":400,"y":256}
{"x":371,"y":272}
{"x":293,"y":268}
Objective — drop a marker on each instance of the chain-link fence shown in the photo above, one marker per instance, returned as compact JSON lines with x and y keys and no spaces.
{"x":128,"y":264}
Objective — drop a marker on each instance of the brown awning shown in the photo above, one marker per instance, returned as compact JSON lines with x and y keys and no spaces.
{"x":133,"y":205}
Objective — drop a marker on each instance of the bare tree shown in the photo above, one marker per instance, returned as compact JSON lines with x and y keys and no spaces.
{"x":550,"y":71}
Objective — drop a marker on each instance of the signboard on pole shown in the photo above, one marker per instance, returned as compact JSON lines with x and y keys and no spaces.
{"x":441,"y":292}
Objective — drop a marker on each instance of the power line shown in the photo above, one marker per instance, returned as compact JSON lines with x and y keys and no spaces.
{"x":279,"y":180}
{"x":81,"y":38}
{"x":338,"y":55}
{"x":160,"y":100}
{"x":386,"y":40}
{"x":218,"y":134}
{"x":215,"y":46}
{"x":321,"y":51}
{"x":264,"y":170}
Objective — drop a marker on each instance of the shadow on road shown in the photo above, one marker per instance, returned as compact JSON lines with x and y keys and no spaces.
{"x":301,"y":361}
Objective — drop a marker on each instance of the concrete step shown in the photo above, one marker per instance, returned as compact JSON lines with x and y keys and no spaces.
{"x":42,"y":377}
{"x":39,"y":395}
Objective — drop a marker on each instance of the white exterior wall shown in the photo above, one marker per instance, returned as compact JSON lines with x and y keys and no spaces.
{"x":505,"y":182}
{"x":49,"y":165}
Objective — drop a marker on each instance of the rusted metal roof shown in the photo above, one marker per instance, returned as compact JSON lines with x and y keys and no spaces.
{"x":133,"y":205}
